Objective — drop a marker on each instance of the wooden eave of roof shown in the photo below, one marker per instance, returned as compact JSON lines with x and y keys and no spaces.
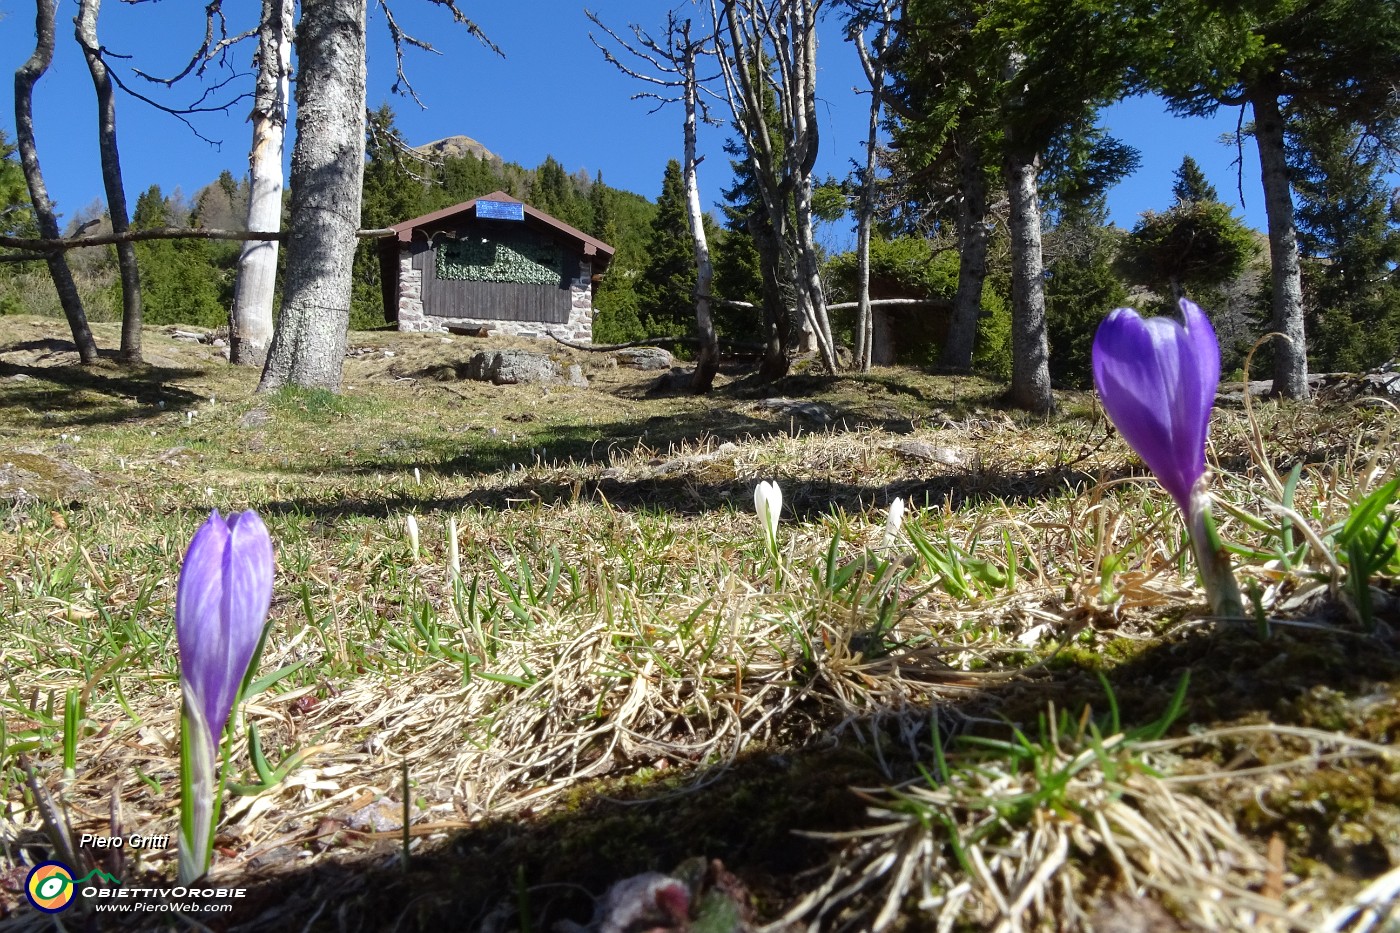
{"x":590,"y":246}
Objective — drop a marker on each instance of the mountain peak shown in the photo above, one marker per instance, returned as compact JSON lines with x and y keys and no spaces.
{"x":456,"y":147}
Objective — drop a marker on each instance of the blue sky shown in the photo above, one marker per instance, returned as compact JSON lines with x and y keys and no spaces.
{"x":553,"y":94}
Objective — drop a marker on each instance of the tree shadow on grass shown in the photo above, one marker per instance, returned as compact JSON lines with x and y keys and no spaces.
{"x":551,"y":864}
{"x":688,"y":494}
{"x":90,"y":395}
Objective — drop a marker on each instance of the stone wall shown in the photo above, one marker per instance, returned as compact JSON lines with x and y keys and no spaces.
{"x":579,"y":328}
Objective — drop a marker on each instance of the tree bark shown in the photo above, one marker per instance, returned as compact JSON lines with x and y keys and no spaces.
{"x":1030,"y":350}
{"x":250,"y":322}
{"x":973,"y":234}
{"x":86,"y":32}
{"x":799,"y":63}
{"x":782,"y":35}
{"x":707,"y":360}
{"x":308,"y":347}
{"x":776,"y":323}
{"x":874,"y":66}
{"x":25,"y":77}
{"x":1290,"y":354}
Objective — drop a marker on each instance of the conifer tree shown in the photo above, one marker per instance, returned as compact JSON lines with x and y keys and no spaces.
{"x":1349,"y":236}
{"x":1191,"y":183}
{"x":1279,"y":58}
{"x":1197,"y":243}
{"x":666,"y":286}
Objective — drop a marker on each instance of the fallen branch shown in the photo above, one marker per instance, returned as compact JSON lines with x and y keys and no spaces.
{"x":655,"y":342}
{"x":63,"y":244}
{"x":609,"y":347}
{"x":844,"y":305}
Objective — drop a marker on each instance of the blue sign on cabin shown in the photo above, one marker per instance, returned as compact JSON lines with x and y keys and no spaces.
{"x":500,"y":210}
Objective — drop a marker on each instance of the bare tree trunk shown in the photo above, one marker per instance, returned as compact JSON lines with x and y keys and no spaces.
{"x":308,"y":347}
{"x":85,"y":29}
{"x":776,"y":323}
{"x":25,"y":77}
{"x":707,"y":360}
{"x":782,"y":34}
{"x":1291,"y":354}
{"x":874,"y":66}
{"x":973,"y":233}
{"x":250,"y":322}
{"x":798,"y":62}
{"x":1030,"y":350}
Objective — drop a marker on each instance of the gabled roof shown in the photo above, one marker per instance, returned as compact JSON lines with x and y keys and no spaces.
{"x":592,"y":247}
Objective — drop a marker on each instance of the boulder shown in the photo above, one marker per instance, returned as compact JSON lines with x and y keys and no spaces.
{"x":812,"y":411}
{"x":512,"y":367}
{"x":30,"y":475}
{"x":645,"y":358}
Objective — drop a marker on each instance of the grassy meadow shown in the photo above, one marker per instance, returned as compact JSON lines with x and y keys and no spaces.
{"x":1015,"y":715}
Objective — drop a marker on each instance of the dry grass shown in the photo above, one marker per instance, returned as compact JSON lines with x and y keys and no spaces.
{"x":615,"y":680}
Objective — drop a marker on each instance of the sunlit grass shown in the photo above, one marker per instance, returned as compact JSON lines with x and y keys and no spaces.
{"x":614,"y":614}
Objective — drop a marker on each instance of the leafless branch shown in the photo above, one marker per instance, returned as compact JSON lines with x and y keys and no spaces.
{"x":209,"y":50}
{"x":402,"y":85}
{"x":665,"y":60}
{"x":181,"y":113}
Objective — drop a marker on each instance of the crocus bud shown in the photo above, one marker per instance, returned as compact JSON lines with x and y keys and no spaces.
{"x":768,"y":503}
{"x":893,"y":520}
{"x":1157,"y":380}
{"x":221,"y":604}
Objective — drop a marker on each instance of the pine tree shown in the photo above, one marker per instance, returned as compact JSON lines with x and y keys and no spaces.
{"x":1191,"y":183}
{"x":667,"y":283}
{"x":392,"y":193}
{"x":1198,"y":243}
{"x":1081,"y":290}
{"x":1349,"y":235}
{"x":16,"y":219}
{"x":186,"y":281}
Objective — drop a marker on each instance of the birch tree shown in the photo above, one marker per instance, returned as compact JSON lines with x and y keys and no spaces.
{"x":874,"y":60}
{"x":85,"y":29}
{"x":673,"y":71}
{"x":250,"y":322}
{"x":328,"y":162}
{"x":25,"y":78}
{"x":769,"y":48}
{"x":308,"y":347}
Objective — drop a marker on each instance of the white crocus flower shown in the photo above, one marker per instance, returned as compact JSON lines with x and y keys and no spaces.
{"x":893,"y":520}
{"x":411,"y":525}
{"x":768,"y":503}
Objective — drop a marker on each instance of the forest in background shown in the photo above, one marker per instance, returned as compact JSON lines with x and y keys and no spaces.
{"x":945,"y":123}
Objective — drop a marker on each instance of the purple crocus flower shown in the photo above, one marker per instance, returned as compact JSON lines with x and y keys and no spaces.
{"x":220,"y":607}
{"x":221,"y":604}
{"x":1157,"y":378}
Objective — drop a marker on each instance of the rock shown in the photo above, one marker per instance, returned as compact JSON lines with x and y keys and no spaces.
{"x":512,"y":367}
{"x":668,"y":383}
{"x":254,"y":418}
{"x":812,"y":411}
{"x":645,"y":358}
{"x":680,"y":464}
{"x":219,"y":342}
{"x":923,"y":450}
{"x":28,"y":476}
{"x":576,"y":377}
{"x":1380,"y":382}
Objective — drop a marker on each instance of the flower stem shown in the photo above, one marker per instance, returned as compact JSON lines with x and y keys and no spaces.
{"x":1212,"y":559}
